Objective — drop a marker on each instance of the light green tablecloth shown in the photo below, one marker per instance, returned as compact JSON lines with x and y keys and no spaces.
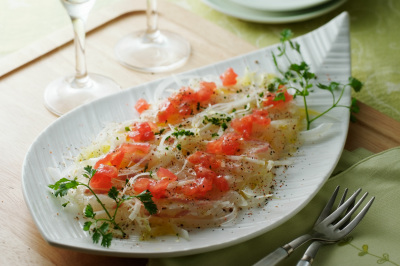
{"x":375,"y":241}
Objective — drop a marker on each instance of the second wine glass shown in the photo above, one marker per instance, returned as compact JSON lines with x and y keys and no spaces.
{"x":152,"y":50}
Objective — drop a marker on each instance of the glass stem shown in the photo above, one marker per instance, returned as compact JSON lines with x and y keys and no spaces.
{"x":81,"y":75}
{"x":152,"y":31}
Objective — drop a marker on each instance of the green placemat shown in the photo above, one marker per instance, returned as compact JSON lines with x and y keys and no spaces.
{"x":375,"y":241}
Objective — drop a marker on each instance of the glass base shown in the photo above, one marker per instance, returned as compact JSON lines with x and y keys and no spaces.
{"x":158,"y":52}
{"x":64,"y":94}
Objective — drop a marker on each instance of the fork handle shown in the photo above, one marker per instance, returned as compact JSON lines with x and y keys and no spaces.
{"x":273,"y":258}
{"x":310,"y":254}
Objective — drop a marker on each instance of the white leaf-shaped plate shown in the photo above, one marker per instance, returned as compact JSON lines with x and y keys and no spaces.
{"x":326,"y":49}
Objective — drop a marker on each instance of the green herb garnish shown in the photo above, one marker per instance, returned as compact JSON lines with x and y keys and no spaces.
{"x":101,"y":229}
{"x":182,"y":132}
{"x":300,"y":74}
{"x":220,"y":120}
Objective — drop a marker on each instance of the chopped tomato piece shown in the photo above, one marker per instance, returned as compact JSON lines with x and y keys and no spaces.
{"x":205,"y":180}
{"x":205,"y":159}
{"x":167,"y":110}
{"x":184,"y":103}
{"x":220,"y":183}
{"x":142,"y":105}
{"x":165,"y":173}
{"x":203,"y":185}
{"x":124,"y":155}
{"x":228,"y":144}
{"x":185,"y":94}
{"x":159,"y":188}
{"x":190,"y":189}
{"x":185,"y":109}
{"x":206,"y":90}
{"x":229,"y":77}
{"x":113,"y":158}
{"x":245,"y":124}
{"x":277,"y":98}
{"x":133,"y":153}
{"x":141,"y":132}
{"x":203,"y":172}
{"x":101,"y":180}
{"x":142,"y":184}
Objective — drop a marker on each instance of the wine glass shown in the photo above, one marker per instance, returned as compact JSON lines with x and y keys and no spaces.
{"x":66,"y":93}
{"x":152,"y":50}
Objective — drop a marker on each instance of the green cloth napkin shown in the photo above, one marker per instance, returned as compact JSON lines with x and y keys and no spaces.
{"x":376,"y":240}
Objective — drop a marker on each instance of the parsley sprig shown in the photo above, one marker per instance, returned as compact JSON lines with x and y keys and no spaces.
{"x":300,"y":74}
{"x":102,"y":228}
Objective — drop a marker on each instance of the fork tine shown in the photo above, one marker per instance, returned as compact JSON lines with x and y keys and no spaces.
{"x":334,"y":215}
{"x":350,"y":212}
{"x":343,"y":197}
{"x":327,"y":209}
{"x":358,"y":218}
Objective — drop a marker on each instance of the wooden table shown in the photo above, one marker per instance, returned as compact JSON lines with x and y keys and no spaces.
{"x":23,"y":115}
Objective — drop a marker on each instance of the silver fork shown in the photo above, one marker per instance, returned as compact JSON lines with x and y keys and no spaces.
{"x":311,"y":252}
{"x":327,"y":227}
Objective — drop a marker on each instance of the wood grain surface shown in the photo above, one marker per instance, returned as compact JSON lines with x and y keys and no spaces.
{"x":23,"y":117}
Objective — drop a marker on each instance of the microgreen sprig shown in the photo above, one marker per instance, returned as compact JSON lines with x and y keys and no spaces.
{"x":101,"y":228}
{"x":299,"y":75}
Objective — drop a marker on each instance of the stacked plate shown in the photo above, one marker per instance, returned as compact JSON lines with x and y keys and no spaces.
{"x":274,"y":11}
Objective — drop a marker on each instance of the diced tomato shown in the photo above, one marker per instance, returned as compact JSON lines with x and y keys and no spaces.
{"x":185,"y":109}
{"x":142,"y":105}
{"x":113,"y":158}
{"x":206,"y":91}
{"x":101,"y":180}
{"x":159,"y":188}
{"x":245,"y":124}
{"x":124,"y":155}
{"x":165,"y":173}
{"x":185,"y":94}
{"x":185,"y":102}
{"x":203,"y":172}
{"x":166,"y":111}
{"x":204,"y":182}
{"x":142,"y":184}
{"x":190,"y":189}
{"x":221,"y":183}
{"x":269,"y":99}
{"x":133,"y":153}
{"x":141,"y":132}
{"x":228,"y":144}
{"x":203,"y":185}
{"x":205,"y":159}
{"x":229,"y":77}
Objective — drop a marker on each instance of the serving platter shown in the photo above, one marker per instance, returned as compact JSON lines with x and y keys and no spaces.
{"x":326,"y":49}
